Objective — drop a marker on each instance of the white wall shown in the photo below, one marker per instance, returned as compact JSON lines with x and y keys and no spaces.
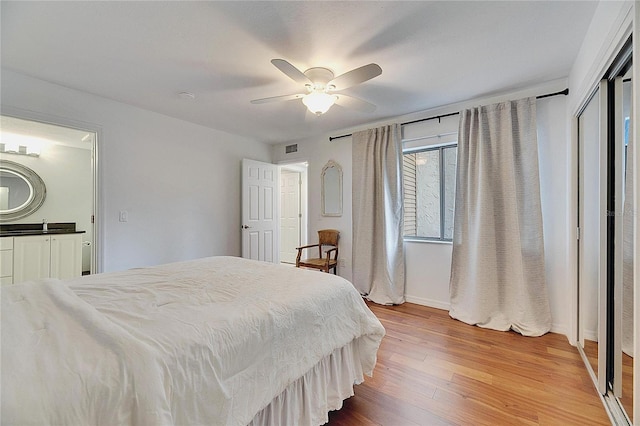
{"x":179,"y":182}
{"x":428,"y":264}
{"x":66,"y":173}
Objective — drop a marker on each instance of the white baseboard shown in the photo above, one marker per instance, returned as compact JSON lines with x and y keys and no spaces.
{"x":427,"y":302}
{"x":590,"y":335}
{"x":560,"y":329}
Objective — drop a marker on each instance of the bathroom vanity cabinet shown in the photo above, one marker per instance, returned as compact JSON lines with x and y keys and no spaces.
{"x":41,"y":256}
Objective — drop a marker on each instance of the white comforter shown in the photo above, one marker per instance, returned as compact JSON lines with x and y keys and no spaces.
{"x":210,"y":341}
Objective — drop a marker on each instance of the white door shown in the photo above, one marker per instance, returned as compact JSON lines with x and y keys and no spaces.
{"x":290,"y":215}
{"x":259,"y":211}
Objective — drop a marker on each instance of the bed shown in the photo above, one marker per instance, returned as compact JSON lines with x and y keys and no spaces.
{"x":216,"y":341}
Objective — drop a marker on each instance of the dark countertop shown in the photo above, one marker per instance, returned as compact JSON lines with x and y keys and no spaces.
{"x":24,"y":229}
{"x":36,"y":232}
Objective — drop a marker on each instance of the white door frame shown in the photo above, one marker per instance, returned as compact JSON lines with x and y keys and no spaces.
{"x":97,"y":260}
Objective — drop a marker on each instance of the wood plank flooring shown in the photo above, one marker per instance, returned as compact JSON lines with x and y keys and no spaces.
{"x":433,"y":370}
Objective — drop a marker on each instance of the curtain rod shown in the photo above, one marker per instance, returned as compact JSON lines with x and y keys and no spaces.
{"x":438,"y":117}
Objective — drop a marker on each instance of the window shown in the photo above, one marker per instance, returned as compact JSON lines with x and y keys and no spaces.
{"x":429,"y":192}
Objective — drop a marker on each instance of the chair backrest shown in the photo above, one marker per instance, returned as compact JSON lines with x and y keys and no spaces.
{"x":328,"y":237}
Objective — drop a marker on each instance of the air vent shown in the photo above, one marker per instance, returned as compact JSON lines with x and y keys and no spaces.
{"x":291,"y":148}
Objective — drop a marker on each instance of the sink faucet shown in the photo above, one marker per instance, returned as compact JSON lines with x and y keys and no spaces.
{"x":44,"y":225}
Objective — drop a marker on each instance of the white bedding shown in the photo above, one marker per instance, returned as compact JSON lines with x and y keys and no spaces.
{"x":211,"y":341}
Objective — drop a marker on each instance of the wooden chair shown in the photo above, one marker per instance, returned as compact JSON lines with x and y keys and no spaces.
{"x":326,"y":237}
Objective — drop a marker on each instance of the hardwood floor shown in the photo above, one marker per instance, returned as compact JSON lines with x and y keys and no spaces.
{"x":627,"y":384}
{"x":433,"y":370}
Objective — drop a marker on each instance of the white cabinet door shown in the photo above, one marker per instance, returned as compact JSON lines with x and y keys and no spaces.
{"x":6,"y":260}
{"x":31,"y":258}
{"x":6,"y":266}
{"x":66,"y":256}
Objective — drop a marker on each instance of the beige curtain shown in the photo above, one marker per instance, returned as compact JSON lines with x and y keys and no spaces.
{"x":497,"y":274}
{"x":378,"y":251}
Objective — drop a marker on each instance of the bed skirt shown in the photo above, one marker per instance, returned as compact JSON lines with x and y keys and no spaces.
{"x":308,"y":400}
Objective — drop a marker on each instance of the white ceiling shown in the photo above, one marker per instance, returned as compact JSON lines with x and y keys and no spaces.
{"x":432,"y":53}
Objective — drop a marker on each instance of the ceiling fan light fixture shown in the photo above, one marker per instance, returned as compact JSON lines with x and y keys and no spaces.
{"x":319,"y":102}
{"x":320,"y":84}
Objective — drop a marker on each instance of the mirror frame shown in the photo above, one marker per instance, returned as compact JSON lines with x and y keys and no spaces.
{"x":331,"y":164}
{"x":39,"y":191}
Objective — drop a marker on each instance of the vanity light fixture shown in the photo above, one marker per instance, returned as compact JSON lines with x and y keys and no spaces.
{"x":13,"y":148}
{"x":33,"y":151}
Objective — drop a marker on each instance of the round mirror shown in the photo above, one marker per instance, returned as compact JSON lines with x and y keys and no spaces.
{"x":22,"y":191}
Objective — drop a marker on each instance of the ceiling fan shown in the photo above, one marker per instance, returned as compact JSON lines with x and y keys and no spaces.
{"x":321,"y":87}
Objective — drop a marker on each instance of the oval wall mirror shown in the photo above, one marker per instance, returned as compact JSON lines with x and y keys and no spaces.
{"x":331,"y":189}
{"x":22,"y":191}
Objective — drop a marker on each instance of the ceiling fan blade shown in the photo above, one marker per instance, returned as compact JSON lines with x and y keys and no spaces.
{"x":354,"y":103}
{"x":292,"y":72}
{"x":278,"y":98}
{"x":356,"y":76}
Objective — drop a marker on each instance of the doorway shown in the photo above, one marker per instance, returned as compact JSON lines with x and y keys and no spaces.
{"x":293,"y":210}
{"x":64,"y":157}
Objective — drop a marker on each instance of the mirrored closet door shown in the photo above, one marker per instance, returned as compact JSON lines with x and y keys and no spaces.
{"x":593,"y":233}
{"x":624,"y":356}
{"x":605,"y":245}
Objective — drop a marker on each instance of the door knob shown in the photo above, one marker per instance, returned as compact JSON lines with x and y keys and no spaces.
{"x":245,"y":227}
